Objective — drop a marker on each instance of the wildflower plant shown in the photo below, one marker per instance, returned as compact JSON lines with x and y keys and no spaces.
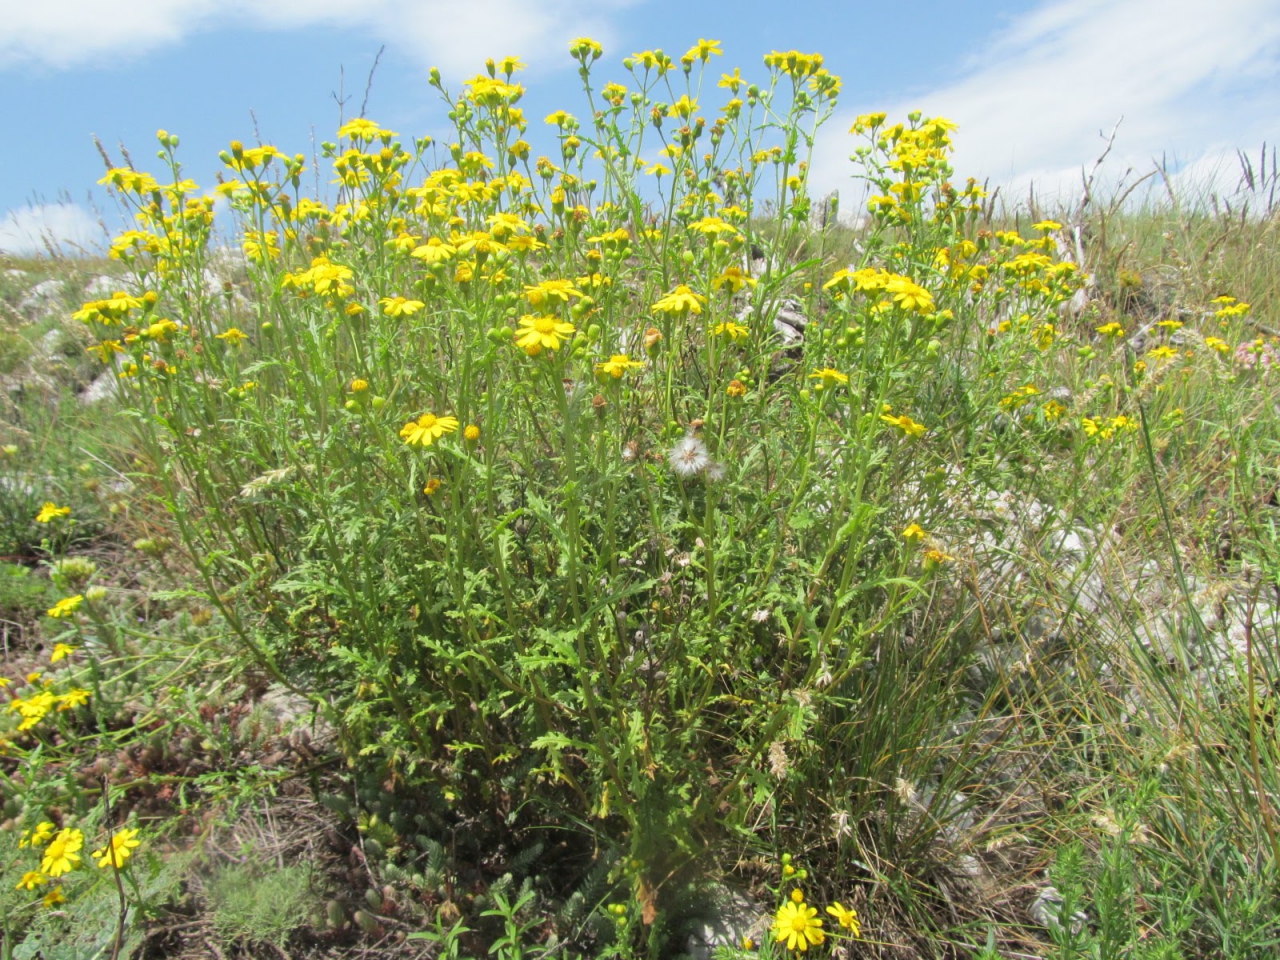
{"x":550,"y":610}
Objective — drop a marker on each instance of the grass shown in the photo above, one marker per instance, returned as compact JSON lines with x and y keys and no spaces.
{"x":960,"y":611}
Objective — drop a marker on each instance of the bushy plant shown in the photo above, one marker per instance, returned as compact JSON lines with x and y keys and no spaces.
{"x":603,"y":490}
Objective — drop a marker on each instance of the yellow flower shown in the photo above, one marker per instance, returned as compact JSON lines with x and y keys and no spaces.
{"x":1045,"y":225}
{"x":432,"y":486}
{"x":434,"y":250}
{"x":427,"y":429}
{"x":913,"y":532}
{"x":1214,"y":343}
{"x":471,"y":433}
{"x":61,"y":651}
{"x":734,"y":331}
{"x":363,"y":129}
{"x":53,"y":897}
{"x":735,"y":278}
{"x":73,"y":698}
{"x":731,"y":81}
{"x":905,"y":424}
{"x":736,"y":389}
{"x":400,"y":306}
{"x":617,"y":365}
{"x":51,"y":511}
{"x":829,"y":377}
{"x":235,"y":336}
{"x":359,"y":385}
{"x":935,"y":558}
{"x":1111,"y":329}
{"x":39,"y":835}
{"x":846,"y":918}
{"x":704,"y":50}
{"x":62,"y":854}
{"x":31,"y":879}
{"x":679,"y":301}
{"x":121,"y":847}
{"x":547,"y":290}
{"x":796,"y":925}
{"x":65,"y":607}
{"x":908,"y":295}
{"x":538,"y":333}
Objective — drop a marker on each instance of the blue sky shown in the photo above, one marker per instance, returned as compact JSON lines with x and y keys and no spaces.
{"x":1032,"y":84}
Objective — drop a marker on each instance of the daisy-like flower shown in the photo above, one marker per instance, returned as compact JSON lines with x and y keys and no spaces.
{"x":31,"y":879}
{"x":829,"y":377}
{"x":617,"y":365}
{"x":427,"y":429}
{"x":689,"y":457}
{"x":680,"y":300}
{"x":65,"y":607}
{"x":796,"y":924}
{"x":913,"y":532}
{"x":120,"y":849}
{"x":905,"y":424}
{"x":434,"y":250}
{"x":53,"y":897}
{"x":538,"y":333}
{"x":61,"y":651}
{"x":51,"y":511}
{"x":846,"y":918}
{"x":234,"y":336}
{"x":549,"y":290}
{"x":734,"y":331}
{"x":62,"y":854}
{"x":38,"y":836}
{"x":400,"y":306}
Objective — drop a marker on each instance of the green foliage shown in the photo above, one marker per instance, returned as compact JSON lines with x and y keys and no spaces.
{"x":257,"y":903}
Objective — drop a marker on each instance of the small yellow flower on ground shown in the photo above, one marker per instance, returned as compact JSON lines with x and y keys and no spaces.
{"x":427,"y":429}
{"x":234,"y":336}
{"x":913,"y":532}
{"x":51,"y":511}
{"x":471,"y":433}
{"x":736,"y":389}
{"x":38,"y":836}
{"x":846,"y":918}
{"x":31,"y":879}
{"x":796,"y":925}
{"x":65,"y":607}
{"x":359,"y":386}
{"x":61,"y":651}
{"x":53,"y":897}
{"x":432,"y":486}
{"x":62,"y":854}
{"x":121,"y":847}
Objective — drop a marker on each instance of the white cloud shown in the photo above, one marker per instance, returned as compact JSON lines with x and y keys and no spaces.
{"x":456,"y":36}
{"x":1193,"y":81}
{"x":65,"y":226}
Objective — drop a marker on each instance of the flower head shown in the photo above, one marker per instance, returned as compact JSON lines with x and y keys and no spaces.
{"x":796,"y":925}
{"x":689,"y":457}
{"x":905,"y":424}
{"x":65,"y":607}
{"x":51,"y":511}
{"x":31,"y":879}
{"x":846,"y":918}
{"x":617,"y":365}
{"x":538,"y":333}
{"x":680,"y":300}
{"x":427,"y":429}
{"x":62,"y":854}
{"x":121,"y":847}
